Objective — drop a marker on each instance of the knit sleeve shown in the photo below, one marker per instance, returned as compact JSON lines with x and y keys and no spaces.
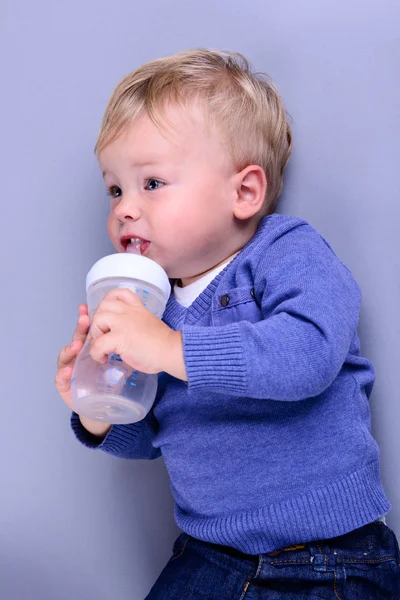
{"x":125,"y":441}
{"x":310,"y":306}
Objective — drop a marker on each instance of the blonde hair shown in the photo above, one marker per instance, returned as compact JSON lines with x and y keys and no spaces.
{"x":244,"y":106}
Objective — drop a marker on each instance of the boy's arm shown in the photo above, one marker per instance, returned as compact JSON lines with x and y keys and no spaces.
{"x":125,"y":441}
{"x":310,"y":304}
{"x":134,"y":440}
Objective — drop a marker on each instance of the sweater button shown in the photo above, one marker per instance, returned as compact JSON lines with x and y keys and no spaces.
{"x":224,"y":300}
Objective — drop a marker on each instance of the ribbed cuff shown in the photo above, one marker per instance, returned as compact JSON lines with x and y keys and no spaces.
{"x":214,"y":358}
{"x":119,"y":439}
{"x":83,"y":435}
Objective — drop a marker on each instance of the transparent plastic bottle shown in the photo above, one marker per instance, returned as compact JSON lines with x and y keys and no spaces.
{"x":113,"y":392}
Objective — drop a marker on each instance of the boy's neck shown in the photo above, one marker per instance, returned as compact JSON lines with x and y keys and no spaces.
{"x":188,"y":280}
{"x":245,"y":231}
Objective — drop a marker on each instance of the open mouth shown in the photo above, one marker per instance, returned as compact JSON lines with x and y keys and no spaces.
{"x":135,"y":245}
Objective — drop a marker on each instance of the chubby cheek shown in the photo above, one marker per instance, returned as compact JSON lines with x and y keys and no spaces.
{"x":177,"y":228}
{"x":112,"y":230}
{"x":190,"y":246}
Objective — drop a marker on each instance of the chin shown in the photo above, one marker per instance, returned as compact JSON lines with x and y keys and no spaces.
{"x":172,"y":273}
{"x":161,"y":263}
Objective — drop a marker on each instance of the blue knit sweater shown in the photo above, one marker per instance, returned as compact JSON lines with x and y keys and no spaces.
{"x":269,"y":442}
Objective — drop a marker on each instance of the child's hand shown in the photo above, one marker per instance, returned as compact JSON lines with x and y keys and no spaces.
{"x":67,"y":357}
{"x":122,"y":324}
{"x":65,"y":363}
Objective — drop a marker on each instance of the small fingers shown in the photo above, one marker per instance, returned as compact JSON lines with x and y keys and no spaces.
{"x":64,"y":373}
{"x":83,"y":309}
{"x":68,"y":353}
{"x":102,"y":346}
{"x":63,"y":384}
{"x":82,"y":328}
{"x":63,"y":379}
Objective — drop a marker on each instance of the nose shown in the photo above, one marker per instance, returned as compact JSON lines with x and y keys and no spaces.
{"x":127,"y":208}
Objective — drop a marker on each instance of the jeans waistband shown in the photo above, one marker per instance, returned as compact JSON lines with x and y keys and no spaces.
{"x":358,"y":538}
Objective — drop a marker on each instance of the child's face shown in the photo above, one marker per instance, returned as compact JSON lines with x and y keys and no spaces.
{"x":177,"y":195}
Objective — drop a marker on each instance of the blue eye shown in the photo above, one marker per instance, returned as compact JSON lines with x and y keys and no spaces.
{"x":150,"y":184}
{"x":114,"y":191}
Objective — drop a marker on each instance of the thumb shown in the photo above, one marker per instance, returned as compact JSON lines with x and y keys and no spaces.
{"x":102,"y":346}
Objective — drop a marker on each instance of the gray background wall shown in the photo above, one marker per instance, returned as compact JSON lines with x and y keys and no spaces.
{"x":79,"y":524}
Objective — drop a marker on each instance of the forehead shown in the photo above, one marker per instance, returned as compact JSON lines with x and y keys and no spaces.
{"x":181,"y":136}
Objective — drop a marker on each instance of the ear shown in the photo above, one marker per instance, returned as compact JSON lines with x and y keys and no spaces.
{"x":251,"y":186}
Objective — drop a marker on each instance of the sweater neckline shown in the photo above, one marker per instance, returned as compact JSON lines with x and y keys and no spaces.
{"x":176,"y":315}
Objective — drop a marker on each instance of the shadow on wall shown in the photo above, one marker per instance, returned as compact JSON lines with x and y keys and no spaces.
{"x":148,"y":517}
{"x":116,"y":555}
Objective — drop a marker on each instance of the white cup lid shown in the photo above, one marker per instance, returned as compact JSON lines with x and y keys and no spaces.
{"x":130,"y":265}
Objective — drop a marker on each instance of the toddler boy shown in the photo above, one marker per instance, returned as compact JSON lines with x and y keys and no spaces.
{"x":262,"y":413}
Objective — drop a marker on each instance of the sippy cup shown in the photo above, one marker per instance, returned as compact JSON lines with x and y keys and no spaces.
{"x":113,"y":392}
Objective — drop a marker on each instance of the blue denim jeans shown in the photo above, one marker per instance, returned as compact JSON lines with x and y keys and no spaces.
{"x":361,"y":565}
